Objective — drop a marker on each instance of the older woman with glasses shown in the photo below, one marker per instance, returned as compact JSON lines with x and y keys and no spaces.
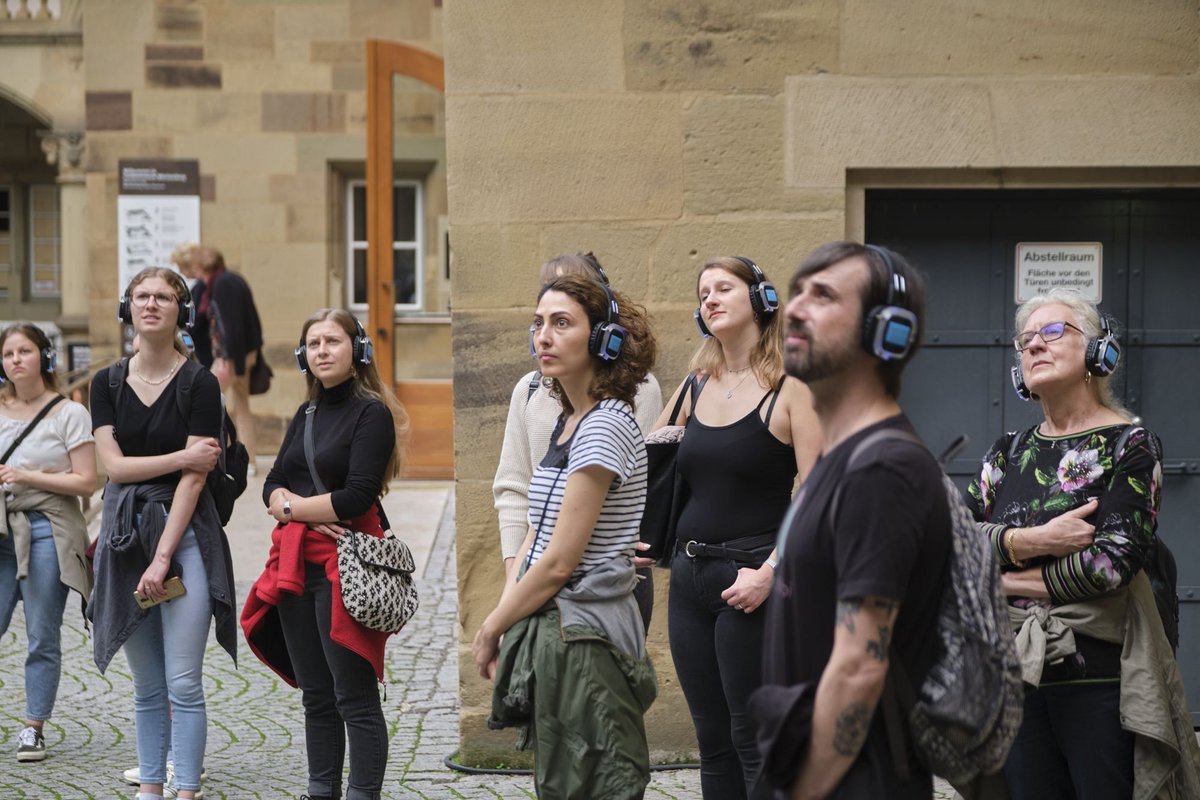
{"x":1071,"y":508}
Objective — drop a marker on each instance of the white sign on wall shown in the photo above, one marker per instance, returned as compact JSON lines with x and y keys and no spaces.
{"x":1042,"y":266}
{"x":158,"y":209}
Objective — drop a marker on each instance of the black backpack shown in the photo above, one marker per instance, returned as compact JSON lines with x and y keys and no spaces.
{"x":1160,"y":561}
{"x":227,"y":480}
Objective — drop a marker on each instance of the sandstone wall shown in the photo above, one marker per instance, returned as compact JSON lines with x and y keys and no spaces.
{"x":660,"y":133}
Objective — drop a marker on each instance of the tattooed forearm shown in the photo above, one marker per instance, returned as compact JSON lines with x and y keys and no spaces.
{"x":879,"y":649}
{"x":885,"y":605}
{"x":846,"y":611}
{"x":852,"y":725}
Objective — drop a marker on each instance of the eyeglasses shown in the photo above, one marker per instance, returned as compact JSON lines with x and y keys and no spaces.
{"x":142,"y":299}
{"x":1051,"y":332}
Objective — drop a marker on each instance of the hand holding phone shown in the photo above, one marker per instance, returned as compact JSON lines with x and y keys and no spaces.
{"x":172,"y":587}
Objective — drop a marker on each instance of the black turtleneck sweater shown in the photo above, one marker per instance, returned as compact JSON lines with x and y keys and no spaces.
{"x":353,"y":439}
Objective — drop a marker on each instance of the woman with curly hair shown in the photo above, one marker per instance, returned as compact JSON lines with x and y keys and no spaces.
{"x":1071,"y":508}
{"x":748,"y":431}
{"x":573,"y":669}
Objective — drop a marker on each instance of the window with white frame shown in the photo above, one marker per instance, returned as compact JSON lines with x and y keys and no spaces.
{"x":45,"y":249}
{"x":407,"y":228}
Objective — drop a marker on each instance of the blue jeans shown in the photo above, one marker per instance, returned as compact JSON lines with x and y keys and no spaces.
{"x":1071,"y":745}
{"x":166,"y":657}
{"x":718,"y":657}
{"x":45,"y":597}
{"x":340,"y":695}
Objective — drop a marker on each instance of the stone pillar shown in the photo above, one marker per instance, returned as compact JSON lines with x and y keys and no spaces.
{"x":65,"y":149}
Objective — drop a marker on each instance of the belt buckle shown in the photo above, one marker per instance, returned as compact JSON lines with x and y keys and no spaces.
{"x":687,"y":549}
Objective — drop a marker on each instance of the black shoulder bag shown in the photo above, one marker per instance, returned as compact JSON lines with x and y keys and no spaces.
{"x":376,"y":574}
{"x":665,"y":487}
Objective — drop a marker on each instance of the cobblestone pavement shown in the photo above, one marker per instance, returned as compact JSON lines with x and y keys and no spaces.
{"x":256,"y":738}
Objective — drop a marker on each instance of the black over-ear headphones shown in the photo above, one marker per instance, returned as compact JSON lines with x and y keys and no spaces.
{"x":187,"y":309}
{"x":607,"y":336}
{"x":362,"y":350}
{"x":601,"y":276}
{"x":49,"y":357}
{"x":890,"y":330}
{"x":1101,"y":357}
{"x":763,"y":297}
{"x":1103,"y":353}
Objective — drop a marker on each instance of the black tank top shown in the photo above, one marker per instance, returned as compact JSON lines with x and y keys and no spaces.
{"x":739,"y":477}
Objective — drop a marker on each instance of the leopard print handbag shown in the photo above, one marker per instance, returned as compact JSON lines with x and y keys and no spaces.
{"x":377,"y":580}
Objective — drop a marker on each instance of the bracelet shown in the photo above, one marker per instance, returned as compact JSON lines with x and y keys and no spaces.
{"x":1009,"y":536}
{"x":771,"y":562}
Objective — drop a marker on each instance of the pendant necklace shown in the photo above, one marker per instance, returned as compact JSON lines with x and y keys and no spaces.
{"x":729,"y":394}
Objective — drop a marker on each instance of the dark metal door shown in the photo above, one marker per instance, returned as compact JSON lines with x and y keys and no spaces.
{"x":965,"y":244}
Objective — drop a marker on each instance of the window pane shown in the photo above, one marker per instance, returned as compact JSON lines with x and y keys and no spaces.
{"x":404,"y":213}
{"x":360,"y":276}
{"x":404,"y":273}
{"x":359,"y":213}
{"x":45,"y":259}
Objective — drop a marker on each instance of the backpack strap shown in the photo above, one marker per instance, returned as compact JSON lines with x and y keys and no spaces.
{"x":1123,"y":440}
{"x":860,"y":450}
{"x":534,"y":383}
{"x":116,"y":387}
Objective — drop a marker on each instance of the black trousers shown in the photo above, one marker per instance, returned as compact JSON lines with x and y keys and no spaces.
{"x":341,"y":697}
{"x":718,"y":657}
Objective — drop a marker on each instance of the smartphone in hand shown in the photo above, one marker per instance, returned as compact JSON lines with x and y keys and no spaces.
{"x":174,"y":588}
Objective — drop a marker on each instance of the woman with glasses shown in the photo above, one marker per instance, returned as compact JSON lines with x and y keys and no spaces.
{"x":1071,"y":508}
{"x":160,"y":532}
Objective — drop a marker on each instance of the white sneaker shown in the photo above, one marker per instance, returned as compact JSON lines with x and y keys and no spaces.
{"x":31,"y":745}
{"x":134,"y":778}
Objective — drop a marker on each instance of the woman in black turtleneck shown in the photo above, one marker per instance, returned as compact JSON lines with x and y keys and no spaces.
{"x":294,"y":619}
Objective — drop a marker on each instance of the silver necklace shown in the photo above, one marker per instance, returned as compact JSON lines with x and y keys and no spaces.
{"x":729,"y":394}
{"x":137,"y":371}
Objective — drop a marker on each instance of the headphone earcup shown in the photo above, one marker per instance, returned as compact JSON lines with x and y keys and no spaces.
{"x":1103,"y":355}
{"x":124,"y":310}
{"x":764,"y":299}
{"x":699,"y":318}
{"x":302,"y":357}
{"x":49,"y":359}
{"x":532,"y":349}
{"x":594,"y":339}
{"x":1018,"y":384}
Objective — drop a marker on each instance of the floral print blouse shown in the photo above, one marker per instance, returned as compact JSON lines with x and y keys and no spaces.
{"x":1053,"y":474}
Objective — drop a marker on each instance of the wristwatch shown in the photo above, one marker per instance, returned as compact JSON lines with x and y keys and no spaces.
{"x":287,"y":508}
{"x":771,"y":562}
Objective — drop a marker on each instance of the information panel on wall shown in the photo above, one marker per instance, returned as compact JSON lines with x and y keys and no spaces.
{"x":1042,"y":266}
{"x":158,"y":209}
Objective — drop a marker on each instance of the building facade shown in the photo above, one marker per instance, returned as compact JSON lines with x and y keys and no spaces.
{"x":269,"y":100}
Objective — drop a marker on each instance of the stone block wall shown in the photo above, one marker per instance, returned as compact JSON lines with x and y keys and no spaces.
{"x":270,"y":98}
{"x":661,"y":133}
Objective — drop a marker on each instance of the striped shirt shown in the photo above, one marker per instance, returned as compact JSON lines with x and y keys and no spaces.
{"x":608,"y":436}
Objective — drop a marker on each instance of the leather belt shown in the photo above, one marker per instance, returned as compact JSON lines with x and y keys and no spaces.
{"x":740,"y":550}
